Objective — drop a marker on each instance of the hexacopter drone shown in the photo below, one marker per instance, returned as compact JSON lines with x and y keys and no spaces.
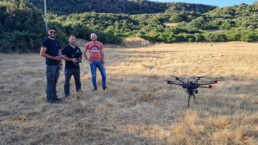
{"x":191,"y":86}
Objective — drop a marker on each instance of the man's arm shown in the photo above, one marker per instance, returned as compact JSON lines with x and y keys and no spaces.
{"x":60,"y":56}
{"x":69,"y":59}
{"x":85,"y":53}
{"x":102,"y":54}
{"x":44,"y":54}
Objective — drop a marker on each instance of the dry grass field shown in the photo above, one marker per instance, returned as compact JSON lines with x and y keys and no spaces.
{"x":139,"y":107}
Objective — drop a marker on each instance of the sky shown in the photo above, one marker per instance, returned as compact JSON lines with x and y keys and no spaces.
{"x":219,"y":3}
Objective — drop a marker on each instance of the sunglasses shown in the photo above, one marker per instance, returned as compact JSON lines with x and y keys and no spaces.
{"x":54,"y":32}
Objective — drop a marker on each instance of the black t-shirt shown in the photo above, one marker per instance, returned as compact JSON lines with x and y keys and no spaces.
{"x":53,"y":47}
{"x":69,"y":51}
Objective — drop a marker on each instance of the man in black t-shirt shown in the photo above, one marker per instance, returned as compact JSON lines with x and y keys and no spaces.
{"x":72,"y":56}
{"x":51,"y":50}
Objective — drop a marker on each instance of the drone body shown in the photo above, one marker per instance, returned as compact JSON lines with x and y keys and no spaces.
{"x":191,"y":86}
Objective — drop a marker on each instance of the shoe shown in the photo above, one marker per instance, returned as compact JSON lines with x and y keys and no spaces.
{"x":67,"y":95}
{"x":51,"y":101}
{"x":104,"y":88}
{"x":78,"y":91}
{"x":94,"y":89}
{"x":57,"y":99}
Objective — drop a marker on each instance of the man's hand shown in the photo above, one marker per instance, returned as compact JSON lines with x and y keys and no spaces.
{"x":103,"y":64}
{"x":57,"y":58}
{"x":88,"y":60}
{"x":74,"y":60}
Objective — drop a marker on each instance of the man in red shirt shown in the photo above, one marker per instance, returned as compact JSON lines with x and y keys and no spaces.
{"x":96,"y":60}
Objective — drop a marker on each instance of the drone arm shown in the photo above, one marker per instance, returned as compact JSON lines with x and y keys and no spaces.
{"x":173,"y":83}
{"x":207,"y":87}
{"x":209,"y":83}
{"x":178,"y":79}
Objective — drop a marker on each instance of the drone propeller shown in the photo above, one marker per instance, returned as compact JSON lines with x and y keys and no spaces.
{"x":208,"y":87}
{"x":178,"y":79}
{"x":200,"y":77}
{"x":209,"y":83}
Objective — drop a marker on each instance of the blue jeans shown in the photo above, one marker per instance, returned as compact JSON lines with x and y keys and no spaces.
{"x":52,"y":78}
{"x":68,"y":75}
{"x":93,"y":67}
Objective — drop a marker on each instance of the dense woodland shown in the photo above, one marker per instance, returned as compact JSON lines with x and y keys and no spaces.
{"x":22,"y":22}
{"x":116,"y":6}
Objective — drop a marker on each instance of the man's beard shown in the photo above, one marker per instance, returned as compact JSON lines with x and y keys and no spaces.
{"x":52,"y":36}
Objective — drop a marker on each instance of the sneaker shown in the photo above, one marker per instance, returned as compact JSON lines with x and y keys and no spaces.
{"x":67,"y":95}
{"x":94,"y":89}
{"x":57,"y":99}
{"x":51,"y":101}
{"x":104,"y":88}
{"x":78,"y":91}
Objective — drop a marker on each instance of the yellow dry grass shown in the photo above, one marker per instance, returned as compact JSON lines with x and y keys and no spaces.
{"x":135,"y":42}
{"x":138,"y":107}
{"x":171,"y":24}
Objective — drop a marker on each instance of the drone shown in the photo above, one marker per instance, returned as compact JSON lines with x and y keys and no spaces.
{"x":192,"y":86}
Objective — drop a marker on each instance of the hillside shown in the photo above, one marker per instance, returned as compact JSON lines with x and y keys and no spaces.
{"x":117,"y":6}
{"x":235,"y":23}
{"x":178,"y":22}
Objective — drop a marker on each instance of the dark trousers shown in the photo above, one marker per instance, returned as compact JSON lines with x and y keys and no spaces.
{"x":68,"y":75}
{"x":52,"y":78}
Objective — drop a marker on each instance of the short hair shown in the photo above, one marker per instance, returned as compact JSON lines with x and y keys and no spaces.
{"x":52,"y":28}
{"x":72,"y":35}
{"x":93,"y":33}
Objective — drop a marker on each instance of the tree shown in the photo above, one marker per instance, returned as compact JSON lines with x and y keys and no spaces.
{"x":175,"y":18}
{"x":249,"y":37}
{"x":226,"y":25}
{"x":17,"y":19}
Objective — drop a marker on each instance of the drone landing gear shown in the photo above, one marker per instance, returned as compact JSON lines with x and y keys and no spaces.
{"x":189,"y":98}
{"x":188,"y":101}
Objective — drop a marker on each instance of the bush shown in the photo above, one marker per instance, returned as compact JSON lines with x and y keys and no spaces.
{"x":23,"y":27}
{"x":233,"y":36}
{"x":215,"y":37}
{"x":175,"y":18}
{"x":22,"y":42}
{"x":249,"y":37}
{"x":226,"y":25}
{"x":199,"y":37}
